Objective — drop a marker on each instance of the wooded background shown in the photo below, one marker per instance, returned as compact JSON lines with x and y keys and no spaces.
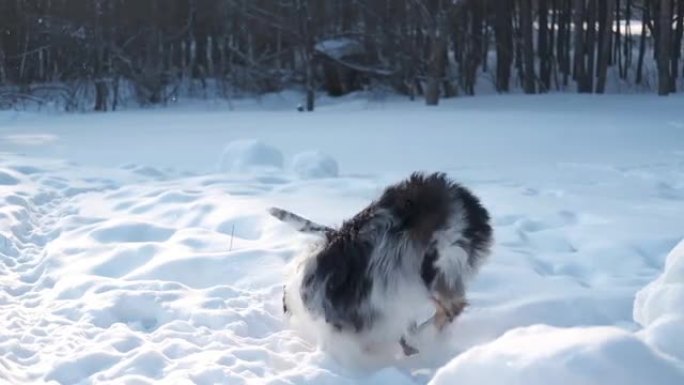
{"x":105,"y":52}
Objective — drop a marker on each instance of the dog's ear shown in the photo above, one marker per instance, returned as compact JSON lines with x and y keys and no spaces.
{"x":300,"y":224}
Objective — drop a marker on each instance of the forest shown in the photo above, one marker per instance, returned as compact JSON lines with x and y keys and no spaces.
{"x":103,"y":54}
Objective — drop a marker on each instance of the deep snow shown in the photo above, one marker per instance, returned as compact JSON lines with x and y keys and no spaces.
{"x":135,"y":247}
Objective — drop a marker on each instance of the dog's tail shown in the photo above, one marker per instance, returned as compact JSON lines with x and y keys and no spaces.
{"x":299,"y":223}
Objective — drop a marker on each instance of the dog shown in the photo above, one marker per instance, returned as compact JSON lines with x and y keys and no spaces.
{"x":421,"y":242}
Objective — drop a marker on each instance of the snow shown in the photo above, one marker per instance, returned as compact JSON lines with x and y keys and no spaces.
{"x":126,"y":256}
{"x":339,"y":48}
{"x":664,"y":296}
{"x":248,"y":155}
{"x":314,"y":165}
{"x":659,"y":307}
{"x":572,"y":356}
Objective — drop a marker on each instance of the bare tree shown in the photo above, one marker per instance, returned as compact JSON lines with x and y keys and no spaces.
{"x":677,"y":46}
{"x":91,"y":51}
{"x":605,"y":46}
{"x":543,"y":47}
{"x":645,"y":25}
{"x":581,"y":73}
{"x":590,"y":43}
{"x":307,"y":51}
{"x":436,"y":23}
{"x":664,"y":47}
{"x":528,"y":45}
{"x":503,"y":32}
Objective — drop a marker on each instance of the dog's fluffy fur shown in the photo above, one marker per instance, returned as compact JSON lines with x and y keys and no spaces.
{"x":422,"y":240}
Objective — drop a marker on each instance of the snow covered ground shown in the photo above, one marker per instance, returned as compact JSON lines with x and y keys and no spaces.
{"x":135,"y":250}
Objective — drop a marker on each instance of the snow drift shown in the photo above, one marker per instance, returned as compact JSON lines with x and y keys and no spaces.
{"x":659,"y":307}
{"x":540,"y":355}
{"x":250,"y":155}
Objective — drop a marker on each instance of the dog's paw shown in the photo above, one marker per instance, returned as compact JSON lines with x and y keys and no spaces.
{"x":447,"y":312}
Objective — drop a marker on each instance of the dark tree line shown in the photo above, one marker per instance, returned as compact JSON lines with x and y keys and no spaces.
{"x":108,"y":51}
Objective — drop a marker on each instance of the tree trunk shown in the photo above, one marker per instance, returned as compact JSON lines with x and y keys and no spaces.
{"x":474,"y":53}
{"x":591,"y":43}
{"x":560,"y":41}
{"x":567,"y":38}
{"x":279,"y":50}
{"x":543,"y":50}
{"x":600,"y":18}
{"x":553,"y":41}
{"x":24,"y":55}
{"x":436,"y":63}
{"x":604,"y":54}
{"x":627,"y":45}
{"x":310,"y":91}
{"x":580,"y":62}
{"x":616,"y":51}
{"x":485,"y":49}
{"x":528,"y":45}
{"x":209,"y":53}
{"x":221,"y":46}
{"x":677,"y":46}
{"x":3,"y":73}
{"x":642,"y":42}
{"x":519,"y":65}
{"x":306,"y":33}
{"x":184,"y":60}
{"x":664,"y":47}
{"x":503,"y":33}
{"x":101,"y":91}
{"x":115,"y":97}
{"x":100,"y":95}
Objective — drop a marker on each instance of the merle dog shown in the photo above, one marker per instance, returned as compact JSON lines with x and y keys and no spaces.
{"x":421,"y":241}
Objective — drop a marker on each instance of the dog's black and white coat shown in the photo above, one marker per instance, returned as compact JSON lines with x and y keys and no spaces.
{"x":421,"y":241}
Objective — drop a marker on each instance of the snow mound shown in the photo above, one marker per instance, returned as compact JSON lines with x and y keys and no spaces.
{"x":315,"y":165}
{"x":250,"y":155}
{"x":574,"y":356}
{"x":664,"y":296}
{"x":145,"y":171}
{"x":667,"y":335}
{"x":6,"y":178}
{"x":659,"y":307}
{"x":132,"y":232}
